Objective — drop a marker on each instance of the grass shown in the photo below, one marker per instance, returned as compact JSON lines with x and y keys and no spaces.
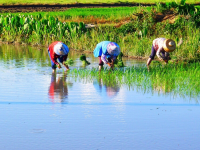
{"x":90,"y":15}
{"x":134,"y":37}
{"x":84,"y":1}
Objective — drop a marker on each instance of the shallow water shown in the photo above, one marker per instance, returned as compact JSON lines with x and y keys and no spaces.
{"x":44,"y":111}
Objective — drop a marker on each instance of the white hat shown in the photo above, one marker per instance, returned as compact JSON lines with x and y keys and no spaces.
{"x":59,"y":49}
{"x":169,"y":45}
{"x":113,"y":49}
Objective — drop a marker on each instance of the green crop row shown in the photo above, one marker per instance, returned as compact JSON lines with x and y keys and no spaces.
{"x":179,"y":80}
{"x":105,"y":12}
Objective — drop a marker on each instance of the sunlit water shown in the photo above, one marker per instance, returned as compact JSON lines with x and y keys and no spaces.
{"x":44,"y":111}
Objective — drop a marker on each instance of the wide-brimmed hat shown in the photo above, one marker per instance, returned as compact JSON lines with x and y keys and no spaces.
{"x":169,"y":45}
{"x":59,"y":49}
{"x":113,"y":49}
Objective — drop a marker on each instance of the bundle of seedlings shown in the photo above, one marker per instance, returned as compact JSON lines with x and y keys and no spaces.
{"x":84,"y":60}
{"x":118,"y":62}
{"x":69,"y":62}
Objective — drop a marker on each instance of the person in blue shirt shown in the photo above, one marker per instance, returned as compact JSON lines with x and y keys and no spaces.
{"x":107,"y":52}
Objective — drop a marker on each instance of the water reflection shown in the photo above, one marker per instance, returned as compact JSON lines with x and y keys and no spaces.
{"x":58,"y":90}
{"x":110,"y":87}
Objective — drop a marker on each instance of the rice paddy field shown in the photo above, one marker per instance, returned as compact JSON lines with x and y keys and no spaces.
{"x":129,"y":107}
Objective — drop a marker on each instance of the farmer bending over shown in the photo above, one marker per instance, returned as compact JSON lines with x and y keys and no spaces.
{"x":164,"y":46}
{"x":58,"y":50}
{"x":107,"y":52}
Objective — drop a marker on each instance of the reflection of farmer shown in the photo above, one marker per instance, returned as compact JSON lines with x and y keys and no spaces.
{"x":58,"y":50}
{"x":164,"y":46}
{"x":107,"y":52}
{"x":110,"y":89}
{"x":58,"y":90}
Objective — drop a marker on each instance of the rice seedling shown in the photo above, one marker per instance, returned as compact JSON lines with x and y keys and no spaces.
{"x":119,"y":62}
{"x":175,"y":79}
{"x":69,"y":62}
{"x":84,"y":60}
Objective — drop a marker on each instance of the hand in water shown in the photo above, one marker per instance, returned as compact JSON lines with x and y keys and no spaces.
{"x":109,"y":64}
{"x":59,"y":66}
{"x":66,"y":66}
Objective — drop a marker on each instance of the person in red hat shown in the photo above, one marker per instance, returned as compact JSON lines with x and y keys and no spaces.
{"x":58,"y":50}
{"x":164,"y":46}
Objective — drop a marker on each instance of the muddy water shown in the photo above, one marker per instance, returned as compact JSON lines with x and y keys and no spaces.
{"x":44,"y":111}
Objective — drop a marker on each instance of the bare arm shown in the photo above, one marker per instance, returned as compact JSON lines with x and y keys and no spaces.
{"x":159,"y":55}
{"x":149,"y":61}
{"x":103,"y":58}
{"x":66,"y":66}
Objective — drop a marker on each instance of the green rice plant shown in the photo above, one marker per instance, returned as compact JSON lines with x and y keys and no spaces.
{"x":69,"y":62}
{"x":175,"y":79}
{"x":84,"y":60}
{"x":86,"y":15}
{"x":118,"y":61}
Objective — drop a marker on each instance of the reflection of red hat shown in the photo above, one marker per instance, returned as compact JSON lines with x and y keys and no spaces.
{"x":169,"y":45}
{"x":113,"y":49}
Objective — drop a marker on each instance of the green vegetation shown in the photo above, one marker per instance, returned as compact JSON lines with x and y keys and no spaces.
{"x":83,"y":1}
{"x":133,"y":29}
{"x":119,"y":62}
{"x":84,"y":60}
{"x":98,"y":16}
{"x":105,"y":12}
{"x":134,"y":35}
{"x":36,"y":29}
{"x":69,"y":62}
{"x":176,"y":79}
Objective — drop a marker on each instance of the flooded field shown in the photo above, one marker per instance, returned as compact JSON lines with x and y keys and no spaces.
{"x":40,"y":110}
